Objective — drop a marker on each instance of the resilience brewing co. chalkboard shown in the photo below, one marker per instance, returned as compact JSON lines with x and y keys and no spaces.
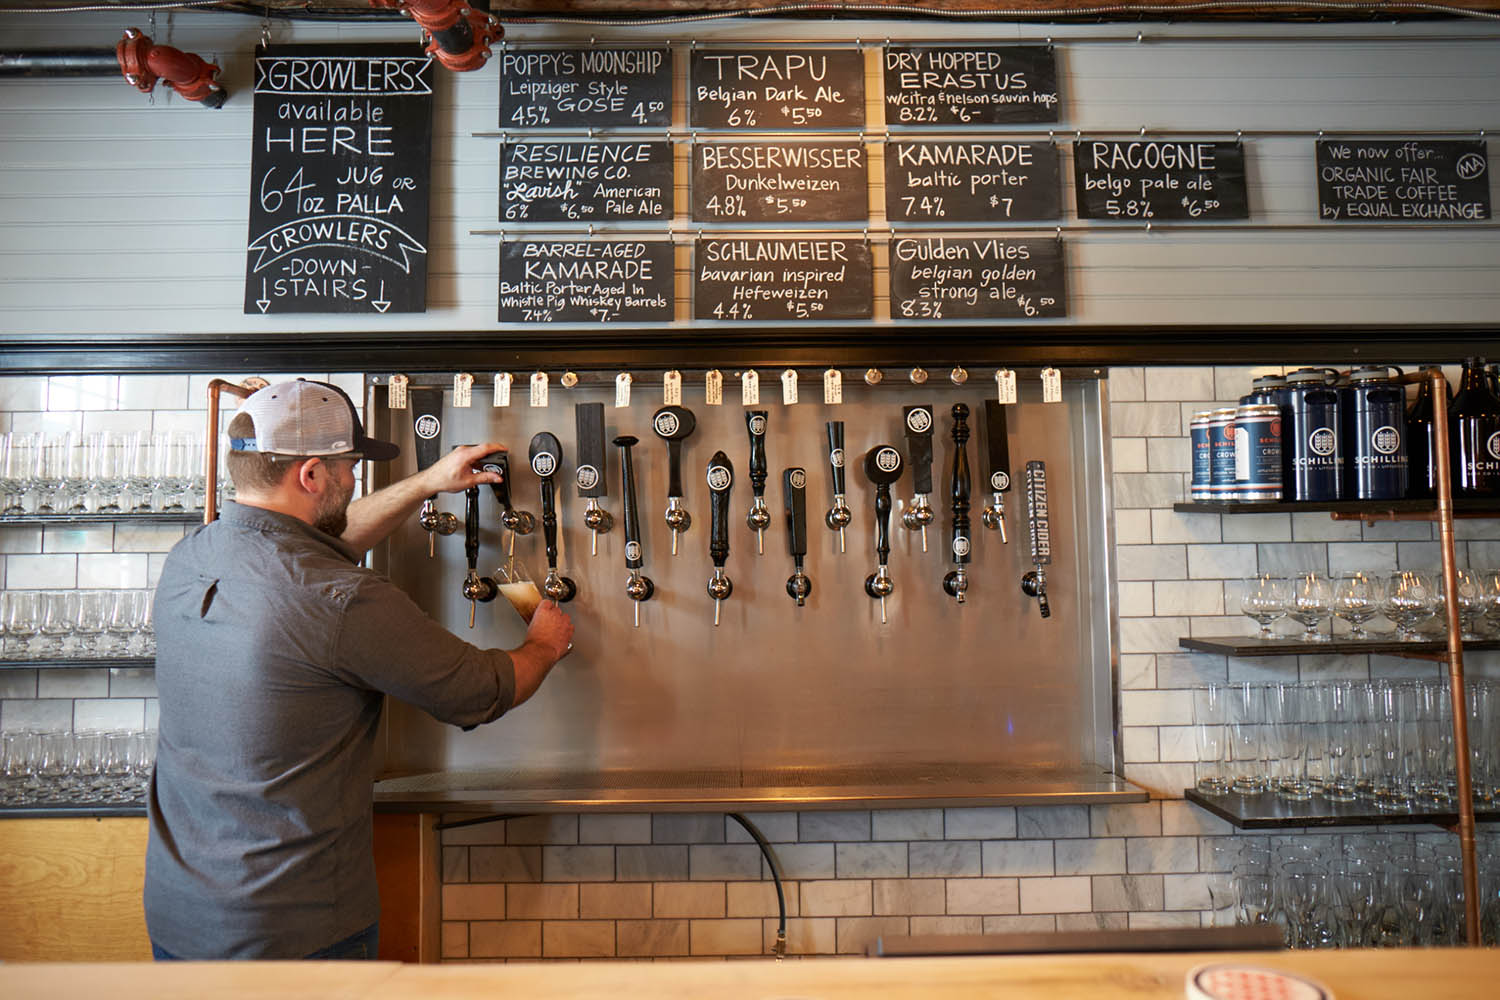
{"x":777,"y":89}
{"x":590,"y":87}
{"x":946,"y":85}
{"x":1148,"y":179}
{"x":546,"y":181}
{"x":976,"y":181}
{"x":993,"y":277}
{"x":814,"y":278}
{"x":780,"y":182}
{"x":1417,"y":180}
{"x":339,"y":179}
{"x":572,"y":280}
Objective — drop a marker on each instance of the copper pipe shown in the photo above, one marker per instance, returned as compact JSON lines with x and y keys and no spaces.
{"x":211,"y":473}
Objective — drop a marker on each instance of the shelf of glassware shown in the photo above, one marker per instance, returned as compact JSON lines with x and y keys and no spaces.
{"x":1236,"y":645}
{"x":1462,"y":507}
{"x":77,"y":662}
{"x":1269,"y":811}
{"x":122,"y":517}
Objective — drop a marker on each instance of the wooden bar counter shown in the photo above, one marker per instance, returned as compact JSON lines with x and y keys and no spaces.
{"x":1401,"y":974}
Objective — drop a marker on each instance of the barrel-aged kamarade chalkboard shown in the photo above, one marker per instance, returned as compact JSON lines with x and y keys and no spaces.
{"x":776,"y":88}
{"x":546,"y":181}
{"x":1416,"y":180}
{"x":780,"y":182}
{"x":590,"y":87}
{"x":570,"y":280}
{"x":339,"y":168}
{"x":979,"y":180}
{"x":814,"y":278}
{"x":1172,"y":179}
{"x":992,"y":277}
{"x":928,"y":85}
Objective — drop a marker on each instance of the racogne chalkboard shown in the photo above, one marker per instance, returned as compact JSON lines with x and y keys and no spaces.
{"x":813,"y":278}
{"x":780,"y":182}
{"x":339,"y":179}
{"x":1171,"y":179}
{"x":585,"y":87}
{"x":928,"y":85}
{"x":776,"y":88}
{"x":971,"y":181}
{"x":1416,"y":180}
{"x":989,"y":277}
{"x":577,"y":280}
{"x":545,"y":181}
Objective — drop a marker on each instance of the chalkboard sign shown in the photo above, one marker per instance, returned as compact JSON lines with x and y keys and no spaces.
{"x":591,"y":87}
{"x":577,"y":281}
{"x":991,"y":85}
{"x":585,"y":181}
{"x":782,"y":279}
{"x":777,"y":88}
{"x":339,"y":179}
{"x":1416,"y":180}
{"x":1146,"y":179}
{"x":979,"y":181}
{"x":784,"y":182}
{"x":994,"y":277}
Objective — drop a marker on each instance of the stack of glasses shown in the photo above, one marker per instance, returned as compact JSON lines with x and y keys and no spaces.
{"x":102,"y":472}
{"x":1408,"y":599}
{"x":91,"y":767}
{"x":76,"y":624}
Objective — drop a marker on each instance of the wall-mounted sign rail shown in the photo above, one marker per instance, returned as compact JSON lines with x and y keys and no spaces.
{"x":981,"y":180}
{"x":928,"y":85}
{"x":815,"y":88}
{"x":585,"y":87}
{"x":737,"y":182}
{"x":1424,"y":180}
{"x":1148,"y":179}
{"x":773,"y":280}
{"x":578,"y":280}
{"x":585,"y":181}
{"x":994,"y":277}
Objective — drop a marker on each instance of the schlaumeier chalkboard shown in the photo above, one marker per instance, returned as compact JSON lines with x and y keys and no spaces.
{"x":591,"y":87}
{"x":776,"y":88}
{"x":1417,"y":180}
{"x":339,"y":179}
{"x":993,"y":277}
{"x":928,"y":85}
{"x":1145,"y":179}
{"x":781,"y":182}
{"x":736,"y":278}
{"x":975,"y":181}
{"x":585,"y":181}
{"x":569,"y":280}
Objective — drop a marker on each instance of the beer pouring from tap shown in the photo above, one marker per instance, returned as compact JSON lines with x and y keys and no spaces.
{"x":882,"y":467}
{"x":546,"y":458}
{"x":919,"y":515}
{"x":517,"y":522}
{"x":427,"y":425}
{"x":956,"y":583}
{"x":794,"y":492}
{"x":720,"y":482}
{"x":999,"y":469}
{"x":638,"y":587}
{"x":591,"y":471}
{"x":759,"y":516}
{"x":674,"y":424}
{"x":1034,"y":583}
{"x":476,"y":589}
{"x":839,"y":515}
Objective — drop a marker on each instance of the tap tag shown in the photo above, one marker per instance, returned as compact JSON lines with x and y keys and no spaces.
{"x":750,"y":389}
{"x":671,"y":389}
{"x":463,"y":389}
{"x":1051,"y":385}
{"x":789,"y":387}
{"x":713,"y":388}
{"x":1005,"y":386}
{"x":502,"y":388}
{"x":833,"y":387}
{"x":396,"y":392}
{"x":539,"y":389}
{"x":622,"y":390}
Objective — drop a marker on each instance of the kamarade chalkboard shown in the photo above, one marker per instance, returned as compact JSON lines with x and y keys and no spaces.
{"x":929,"y":85}
{"x":586,"y":87}
{"x":815,"y":88}
{"x":570,"y":280}
{"x":738,"y":278}
{"x":1414,"y":180}
{"x":780,"y":182}
{"x":339,"y":179}
{"x":971,"y":181}
{"x":1160,"y":179}
{"x":991,"y":277}
{"x":544,"y":181}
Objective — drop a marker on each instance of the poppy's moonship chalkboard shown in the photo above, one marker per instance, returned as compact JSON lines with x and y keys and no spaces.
{"x":593,"y":87}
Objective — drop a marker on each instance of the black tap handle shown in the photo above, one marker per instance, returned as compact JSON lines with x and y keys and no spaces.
{"x":546,"y":459}
{"x":960,"y":483}
{"x":999,"y":445}
{"x":471,"y":526}
{"x":794,"y":490}
{"x":720,"y":481}
{"x":673,"y":424}
{"x":591,"y":458}
{"x":1037,"y":513}
{"x":919,"y":445}
{"x":836,"y":455}
{"x":883,"y":467}
{"x":629,"y":514}
{"x":427,"y":425}
{"x":498,"y":461}
{"x":755,"y":423}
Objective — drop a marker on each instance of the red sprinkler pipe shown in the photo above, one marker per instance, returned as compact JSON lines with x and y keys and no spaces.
{"x":143,"y":63}
{"x":461,"y":36}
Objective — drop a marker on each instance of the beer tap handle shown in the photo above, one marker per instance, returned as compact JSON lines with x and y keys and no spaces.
{"x":999,"y":466}
{"x":839,"y":515}
{"x":673,"y":424}
{"x":956,"y":583}
{"x":427,"y":426}
{"x":794,"y":492}
{"x":517,"y":522}
{"x":882,"y":467}
{"x":546,"y":459}
{"x":1034,"y":584}
{"x":591,"y":471}
{"x":639,"y":586}
{"x":759,"y":517}
{"x":720,"y":480}
{"x":476,"y":588}
{"x":918,"y":420}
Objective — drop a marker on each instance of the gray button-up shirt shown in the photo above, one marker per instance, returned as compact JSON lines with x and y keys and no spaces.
{"x":274,"y":651}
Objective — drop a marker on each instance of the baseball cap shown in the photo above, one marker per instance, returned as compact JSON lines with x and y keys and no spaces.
{"x":303,"y":419}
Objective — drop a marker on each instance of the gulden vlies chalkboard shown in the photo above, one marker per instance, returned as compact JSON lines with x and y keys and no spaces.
{"x":991,"y":277}
{"x":573,"y":280}
{"x":587,"y":87}
{"x":1415,"y":180}
{"x":814,"y":278}
{"x":339,"y":179}
{"x":1146,"y":179}
{"x":821,"y":88}
{"x":543,"y":181}
{"x":971,"y":181}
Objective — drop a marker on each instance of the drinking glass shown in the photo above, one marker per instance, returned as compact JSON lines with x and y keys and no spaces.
{"x":18,"y":752}
{"x":172,"y":466}
{"x":9,"y":484}
{"x":1490,"y":582}
{"x":23,"y":617}
{"x":59,"y":617}
{"x":518,"y":586}
{"x":1417,"y":896}
{"x":1410,"y":599}
{"x":1210,"y":713}
{"x":74,"y":496}
{"x":138,"y":471}
{"x":19,"y":471}
{"x":1357,"y":889}
{"x":1263,"y":598}
{"x":143,"y":642}
{"x":1343,"y":742}
{"x":1395,"y":704}
{"x":1356,"y":599}
{"x":93,"y":611}
{"x":1433,"y":721}
{"x":1484,"y":733}
{"x":119,"y":766}
{"x":1254,"y":895}
{"x":1246,"y":716}
{"x":1468,"y":594}
{"x":1288,"y":740}
{"x":54,"y":760}
{"x":1303,"y":888}
{"x":124,"y":619}
{"x":1311,"y":604}
{"x":111,"y":469}
{"x":51,"y":475}
{"x":85,"y":767}
{"x":142,"y":761}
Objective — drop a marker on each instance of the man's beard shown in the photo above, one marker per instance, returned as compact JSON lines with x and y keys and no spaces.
{"x":332,"y":515}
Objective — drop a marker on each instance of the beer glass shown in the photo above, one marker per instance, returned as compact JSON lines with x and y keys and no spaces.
{"x":1246,"y":715}
{"x":1311,"y":604}
{"x":1468,"y":595}
{"x":93,"y":611}
{"x":1284,"y":720}
{"x":519,"y":588}
{"x":1263,"y":599}
{"x":1410,"y":598}
{"x":59,"y":619}
{"x":1356,"y":599}
{"x":1210,"y":713}
{"x":1343,"y":752}
{"x":1394,"y":706}
{"x":23,"y":617}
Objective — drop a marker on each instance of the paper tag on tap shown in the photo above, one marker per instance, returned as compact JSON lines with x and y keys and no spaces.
{"x":789,"y":387}
{"x":833,"y":387}
{"x":622,"y":390}
{"x":463,"y":389}
{"x":502,"y":388}
{"x":713,"y":388}
{"x":1005,"y":385}
{"x":1051,"y":385}
{"x":750,"y":389}
{"x":396,"y":392}
{"x":539,"y":389}
{"x":671,"y":389}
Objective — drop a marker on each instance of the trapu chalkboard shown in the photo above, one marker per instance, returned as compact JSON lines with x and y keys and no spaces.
{"x":971,"y":181}
{"x":1146,"y":179}
{"x":546,"y":181}
{"x":992,"y":277}
{"x":588,"y":87}
{"x":928,"y":85}
{"x":339,"y":179}
{"x":569,"y":280}
{"x":738,"y":278}
{"x":1416,"y":180}
{"x":776,"y":88}
{"x":780,"y":182}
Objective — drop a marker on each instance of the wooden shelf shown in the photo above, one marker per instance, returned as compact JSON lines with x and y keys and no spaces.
{"x":1373,"y":508}
{"x":143,"y":517}
{"x":1234,"y":645}
{"x":1268,"y":811}
{"x":94,"y":663}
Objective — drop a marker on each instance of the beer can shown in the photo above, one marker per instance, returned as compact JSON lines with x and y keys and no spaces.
{"x":1202,"y":457}
{"x":1221,"y":483}
{"x":1257,"y":452}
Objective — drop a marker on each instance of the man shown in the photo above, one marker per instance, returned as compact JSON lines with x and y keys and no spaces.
{"x":275,"y":649}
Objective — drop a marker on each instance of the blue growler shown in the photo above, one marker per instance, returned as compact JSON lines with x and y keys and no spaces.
{"x":1310,"y":408}
{"x":1374,"y":435}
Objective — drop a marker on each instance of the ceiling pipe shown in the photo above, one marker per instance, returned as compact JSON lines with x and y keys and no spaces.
{"x":461,"y":36}
{"x":137,"y":58}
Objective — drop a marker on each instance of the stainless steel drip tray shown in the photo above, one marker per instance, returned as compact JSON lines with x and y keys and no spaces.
{"x":844,"y":787}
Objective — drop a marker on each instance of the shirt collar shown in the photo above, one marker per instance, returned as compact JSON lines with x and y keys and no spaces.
{"x":269,"y":520}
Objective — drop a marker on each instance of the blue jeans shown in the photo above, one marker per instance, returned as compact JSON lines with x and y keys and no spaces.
{"x":364,"y":945}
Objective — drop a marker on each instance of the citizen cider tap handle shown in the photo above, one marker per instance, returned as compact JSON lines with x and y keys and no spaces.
{"x":956,"y":583}
{"x":591,"y":469}
{"x":794,"y":492}
{"x":475,"y":587}
{"x":720,"y":480}
{"x":546,"y":459}
{"x":517,"y":522}
{"x":673,"y":424}
{"x":839,"y":514}
{"x":427,"y":426}
{"x":918,"y":420}
{"x":759,"y":517}
{"x":882,"y":467}
{"x":1034,"y":584}
{"x":999,"y":467}
{"x":639,"y":586}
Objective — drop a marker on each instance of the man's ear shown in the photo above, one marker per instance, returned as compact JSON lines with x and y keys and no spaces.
{"x":311,"y":474}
